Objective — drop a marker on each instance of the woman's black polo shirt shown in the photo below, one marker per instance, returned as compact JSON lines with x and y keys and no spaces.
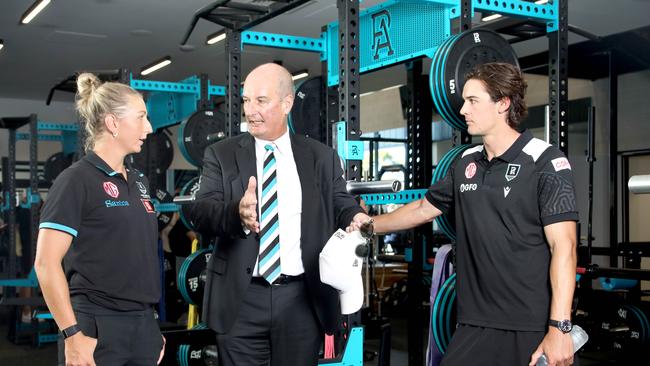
{"x":113,"y":259}
{"x":501,"y":207}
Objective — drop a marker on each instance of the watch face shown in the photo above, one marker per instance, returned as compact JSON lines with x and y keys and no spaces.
{"x":565,"y":326}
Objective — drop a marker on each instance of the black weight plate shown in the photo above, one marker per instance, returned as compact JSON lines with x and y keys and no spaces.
{"x":189,"y":189}
{"x":55,"y":164}
{"x":443,"y":315}
{"x":156,"y":155}
{"x":471,"y":48}
{"x":304,"y":118}
{"x":197,"y":355}
{"x":635,"y":320}
{"x":436,"y":82}
{"x":191,"y":277}
{"x":200,"y":130}
{"x":163,"y":217}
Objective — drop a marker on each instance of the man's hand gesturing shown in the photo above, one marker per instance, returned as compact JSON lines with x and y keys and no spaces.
{"x":248,"y":207}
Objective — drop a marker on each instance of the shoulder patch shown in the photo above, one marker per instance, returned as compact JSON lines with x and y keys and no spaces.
{"x":535,"y":148}
{"x":472,"y":150}
{"x":561,"y":164}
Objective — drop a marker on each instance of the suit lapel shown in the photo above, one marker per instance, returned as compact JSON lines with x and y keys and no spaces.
{"x":245,"y":157}
{"x":304,"y":158}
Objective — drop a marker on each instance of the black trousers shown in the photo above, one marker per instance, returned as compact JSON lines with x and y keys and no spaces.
{"x":130,"y":338}
{"x":276,"y":326}
{"x":471,"y":345}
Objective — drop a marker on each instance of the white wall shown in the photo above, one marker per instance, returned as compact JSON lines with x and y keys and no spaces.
{"x":633,"y":133}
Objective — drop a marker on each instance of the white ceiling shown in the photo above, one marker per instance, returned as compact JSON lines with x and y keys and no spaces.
{"x":73,"y":35}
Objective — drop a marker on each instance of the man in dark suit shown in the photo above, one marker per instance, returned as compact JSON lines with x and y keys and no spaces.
{"x":263,"y":293}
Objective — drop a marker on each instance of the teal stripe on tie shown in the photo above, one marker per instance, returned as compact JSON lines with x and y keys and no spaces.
{"x":269,"y":256}
{"x":272,"y":230}
{"x":274,"y":274}
{"x":268,"y":210}
{"x":269,"y":166}
{"x":266,"y":190}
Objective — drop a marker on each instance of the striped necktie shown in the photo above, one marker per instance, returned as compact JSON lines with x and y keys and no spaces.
{"x":269,"y":258}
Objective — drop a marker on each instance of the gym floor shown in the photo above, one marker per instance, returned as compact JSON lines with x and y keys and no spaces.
{"x":45,"y":355}
{"x":22,"y":355}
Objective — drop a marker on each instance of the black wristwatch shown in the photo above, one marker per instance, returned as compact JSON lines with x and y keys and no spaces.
{"x":563,"y":325}
{"x":70,"y":331}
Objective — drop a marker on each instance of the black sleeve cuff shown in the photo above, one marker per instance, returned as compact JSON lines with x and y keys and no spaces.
{"x":437,"y":204}
{"x":567,"y":216}
{"x":347,"y":216}
{"x":234,"y":227}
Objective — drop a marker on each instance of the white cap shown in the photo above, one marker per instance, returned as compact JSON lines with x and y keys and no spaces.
{"x":340,"y":267}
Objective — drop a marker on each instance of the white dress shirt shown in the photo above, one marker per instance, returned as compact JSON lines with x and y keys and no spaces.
{"x":289,"y":202}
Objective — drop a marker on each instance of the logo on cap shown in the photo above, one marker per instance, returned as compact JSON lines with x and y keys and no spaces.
{"x":111,"y":189}
{"x":470,"y":170}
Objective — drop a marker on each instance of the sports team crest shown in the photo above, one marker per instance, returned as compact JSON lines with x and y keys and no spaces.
{"x":470,"y":170}
{"x":512,"y":171}
{"x":141,"y":187}
{"x":111,"y":189}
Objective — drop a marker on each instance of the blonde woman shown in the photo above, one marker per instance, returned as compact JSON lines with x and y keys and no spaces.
{"x":99,"y":221}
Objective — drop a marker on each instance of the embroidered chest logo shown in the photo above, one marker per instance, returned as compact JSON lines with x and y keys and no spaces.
{"x":141,"y":187}
{"x":468,"y":187}
{"x":470,"y":170}
{"x":512,"y":171}
{"x":506,"y":191}
{"x":111,"y":189}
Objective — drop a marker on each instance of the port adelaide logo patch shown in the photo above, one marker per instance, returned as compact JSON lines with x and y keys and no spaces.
{"x":512,"y":171}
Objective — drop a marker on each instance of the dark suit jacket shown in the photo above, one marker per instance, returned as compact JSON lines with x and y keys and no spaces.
{"x":326,"y":206}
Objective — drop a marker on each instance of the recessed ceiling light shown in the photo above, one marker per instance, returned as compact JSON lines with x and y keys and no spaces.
{"x":33,"y":11}
{"x":491,"y":17}
{"x":156,"y":65}
{"x":216,"y":37}
{"x":299,"y":75}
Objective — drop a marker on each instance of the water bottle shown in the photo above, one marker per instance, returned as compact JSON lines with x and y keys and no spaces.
{"x":579,"y":338}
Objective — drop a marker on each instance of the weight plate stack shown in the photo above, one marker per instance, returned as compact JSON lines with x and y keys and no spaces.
{"x":305,"y":116}
{"x":199,"y":131}
{"x":454,"y":58}
{"x":55,"y":164}
{"x":439,"y":173}
{"x":189,"y":189}
{"x":155,"y":157}
{"x":191,"y":276}
{"x":443,"y":317}
{"x":163,"y":217}
{"x":193,"y":355}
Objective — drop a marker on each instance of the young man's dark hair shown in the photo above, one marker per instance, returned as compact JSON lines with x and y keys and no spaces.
{"x":503,"y":80}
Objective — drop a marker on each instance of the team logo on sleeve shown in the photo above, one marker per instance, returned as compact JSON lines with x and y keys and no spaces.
{"x":512,"y":171}
{"x":111,"y":189}
{"x":470,"y":170}
{"x":148,"y":206}
{"x":561,"y":164}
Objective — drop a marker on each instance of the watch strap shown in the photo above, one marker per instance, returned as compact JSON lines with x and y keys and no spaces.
{"x":70,"y":331}
{"x":559,"y":324}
